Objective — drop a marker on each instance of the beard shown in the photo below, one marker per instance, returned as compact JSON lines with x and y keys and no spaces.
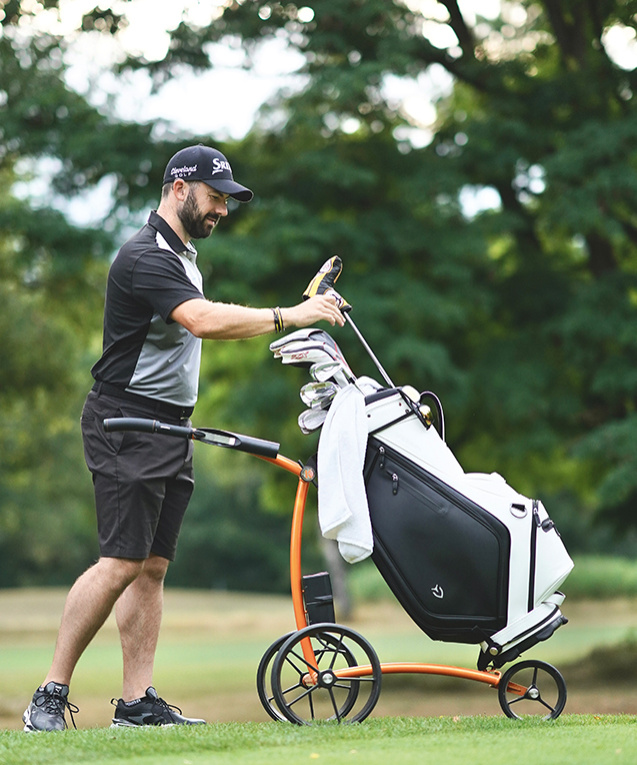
{"x":197,"y":225}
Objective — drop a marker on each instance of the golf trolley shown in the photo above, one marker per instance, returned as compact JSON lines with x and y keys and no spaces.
{"x":469,"y":559}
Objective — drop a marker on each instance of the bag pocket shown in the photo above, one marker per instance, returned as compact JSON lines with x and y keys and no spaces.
{"x":445,"y":558}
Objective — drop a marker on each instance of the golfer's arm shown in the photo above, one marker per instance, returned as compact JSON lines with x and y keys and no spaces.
{"x":227,"y":321}
{"x":223,"y":321}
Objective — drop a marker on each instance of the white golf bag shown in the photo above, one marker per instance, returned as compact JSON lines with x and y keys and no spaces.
{"x":470,"y":559}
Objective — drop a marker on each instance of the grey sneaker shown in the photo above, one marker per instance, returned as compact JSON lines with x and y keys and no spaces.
{"x":149,"y":710}
{"x":46,"y":710}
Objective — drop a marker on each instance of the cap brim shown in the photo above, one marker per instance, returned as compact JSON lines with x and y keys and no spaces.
{"x":234,"y":189}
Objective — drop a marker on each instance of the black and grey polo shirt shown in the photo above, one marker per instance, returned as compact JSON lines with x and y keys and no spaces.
{"x":144,"y":351}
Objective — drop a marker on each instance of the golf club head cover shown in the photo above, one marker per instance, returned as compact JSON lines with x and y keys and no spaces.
{"x":323,"y":282}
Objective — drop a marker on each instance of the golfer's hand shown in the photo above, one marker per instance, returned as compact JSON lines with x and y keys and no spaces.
{"x":317,"y":308}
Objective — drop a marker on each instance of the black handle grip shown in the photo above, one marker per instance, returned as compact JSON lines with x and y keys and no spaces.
{"x":147,"y":426}
{"x":129,"y":423}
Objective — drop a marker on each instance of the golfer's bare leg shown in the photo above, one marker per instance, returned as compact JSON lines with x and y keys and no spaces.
{"x":138,"y":612}
{"x":88,"y":604}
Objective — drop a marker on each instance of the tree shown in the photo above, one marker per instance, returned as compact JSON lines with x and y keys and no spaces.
{"x":52,"y":276}
{"x":520,"y":313}
{"x":523,"y":314}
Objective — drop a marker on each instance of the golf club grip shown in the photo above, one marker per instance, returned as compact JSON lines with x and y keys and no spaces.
{"x":146,"y":426}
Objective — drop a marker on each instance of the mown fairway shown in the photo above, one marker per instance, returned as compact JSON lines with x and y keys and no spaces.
{"x":573,"y":739}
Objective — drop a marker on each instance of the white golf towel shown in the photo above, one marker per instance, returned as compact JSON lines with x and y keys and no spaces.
{"x":342,"y":501}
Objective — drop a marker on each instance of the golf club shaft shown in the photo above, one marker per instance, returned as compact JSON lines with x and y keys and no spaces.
{"x":371,"y":353}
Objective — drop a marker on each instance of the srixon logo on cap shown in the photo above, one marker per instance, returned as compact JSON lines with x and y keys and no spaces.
{"x":219,"y":165}
{"x":185,"y":170}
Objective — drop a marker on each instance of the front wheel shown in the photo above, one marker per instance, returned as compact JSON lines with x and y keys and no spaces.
{"x":326,"y":672}
{"x":532,"y":688}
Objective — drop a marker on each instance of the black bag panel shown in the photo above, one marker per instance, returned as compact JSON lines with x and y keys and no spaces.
{"x":445,"y":558}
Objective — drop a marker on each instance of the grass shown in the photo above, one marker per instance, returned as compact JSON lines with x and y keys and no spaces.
{"x":576,"y":739}
{"x":211,"y":644}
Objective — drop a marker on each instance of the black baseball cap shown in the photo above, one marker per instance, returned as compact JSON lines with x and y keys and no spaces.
{"x":202,"y":163}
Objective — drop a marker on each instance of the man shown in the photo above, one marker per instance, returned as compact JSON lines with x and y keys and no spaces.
{"x":154,"y":319}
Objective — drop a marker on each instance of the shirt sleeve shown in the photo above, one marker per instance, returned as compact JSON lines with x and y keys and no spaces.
{"x":160,"y":280}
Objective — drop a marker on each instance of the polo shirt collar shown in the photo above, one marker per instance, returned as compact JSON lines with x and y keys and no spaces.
{"x":174,"y":241}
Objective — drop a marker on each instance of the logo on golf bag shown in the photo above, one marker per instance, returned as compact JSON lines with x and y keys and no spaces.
{"x":438,"y":591}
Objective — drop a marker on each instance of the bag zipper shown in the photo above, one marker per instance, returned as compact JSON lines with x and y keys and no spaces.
{"x":535,"y":525}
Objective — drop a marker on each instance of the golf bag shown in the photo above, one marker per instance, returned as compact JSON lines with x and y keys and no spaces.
{"x":470,"y":559}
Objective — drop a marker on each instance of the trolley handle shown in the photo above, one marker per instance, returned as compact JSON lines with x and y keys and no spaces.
{"x":224,"y":438}
{"x":146,"y":426}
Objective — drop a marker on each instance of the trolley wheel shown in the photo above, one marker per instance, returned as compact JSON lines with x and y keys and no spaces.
{"x":308,"y":690}
{"x":531,"y":688}
{"x":264,"y":687}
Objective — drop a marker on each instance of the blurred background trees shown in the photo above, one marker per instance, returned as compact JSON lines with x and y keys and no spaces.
{"x":477,"y":175}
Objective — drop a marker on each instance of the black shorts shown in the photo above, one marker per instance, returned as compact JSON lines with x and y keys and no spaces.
{"x":143,"y":482}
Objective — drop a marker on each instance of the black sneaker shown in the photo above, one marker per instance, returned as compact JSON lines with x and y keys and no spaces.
{"x":149,"y":710}
{"x":46,"y":710}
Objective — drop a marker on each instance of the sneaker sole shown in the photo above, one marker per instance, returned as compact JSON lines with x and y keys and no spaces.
{"x":125,"y":724}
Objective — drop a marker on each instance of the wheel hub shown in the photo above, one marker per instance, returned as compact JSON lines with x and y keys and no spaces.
{"x":327,"y":679}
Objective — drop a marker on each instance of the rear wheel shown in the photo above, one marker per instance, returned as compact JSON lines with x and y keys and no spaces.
{"x":327,"y":685}
{"x":532,"y":688}
{"x":264,"y":686}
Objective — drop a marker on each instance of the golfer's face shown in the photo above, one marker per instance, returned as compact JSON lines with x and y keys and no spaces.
{"x":203,"y":209}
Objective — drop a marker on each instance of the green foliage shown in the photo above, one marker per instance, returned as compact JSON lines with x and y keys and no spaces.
{"x":51,"y":288}
{"x":46,"y":533}
{"x":602,"y":578}
{"x":215,"y":551}
{"x":520,"y":316}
